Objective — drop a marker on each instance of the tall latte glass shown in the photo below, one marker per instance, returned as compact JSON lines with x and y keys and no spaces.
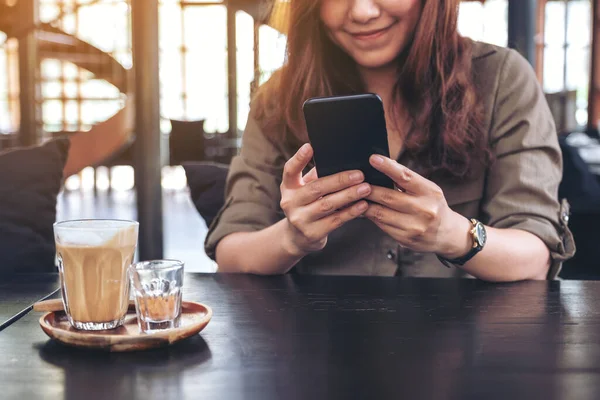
{"x":93,"y":257}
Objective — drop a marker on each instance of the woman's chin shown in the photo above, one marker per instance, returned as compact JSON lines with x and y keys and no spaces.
{"x":375,"y":61}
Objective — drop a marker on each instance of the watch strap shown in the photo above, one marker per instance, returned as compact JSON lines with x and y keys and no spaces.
{"x":464,"y":259}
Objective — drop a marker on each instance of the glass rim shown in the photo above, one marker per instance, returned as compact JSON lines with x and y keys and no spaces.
{"x":123,"y":223}
{"x":148,"y":265}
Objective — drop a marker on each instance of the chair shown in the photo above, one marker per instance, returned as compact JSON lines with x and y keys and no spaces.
{"x":187,"y":142}
{"x":581,"y":188}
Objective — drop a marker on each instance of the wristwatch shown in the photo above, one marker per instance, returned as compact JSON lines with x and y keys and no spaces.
{"x":479,"y":237}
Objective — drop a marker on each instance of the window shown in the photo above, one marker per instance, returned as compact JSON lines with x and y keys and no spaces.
{"x":487,"y":22}
{"x":73,"y":98}
{"x":194,"y":77}
{"x":567,"y":51}
{"x":9,"y":89}
{"x":193,"y":62}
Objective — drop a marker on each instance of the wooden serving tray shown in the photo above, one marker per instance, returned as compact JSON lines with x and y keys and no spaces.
{"x":194,"y":317}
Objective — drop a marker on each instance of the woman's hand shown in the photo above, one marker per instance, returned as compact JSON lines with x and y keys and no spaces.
{"x":315,"y":207}
{"x":417,"y":215}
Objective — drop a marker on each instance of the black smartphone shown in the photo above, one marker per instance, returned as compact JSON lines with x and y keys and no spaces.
{"x":344,"y":132}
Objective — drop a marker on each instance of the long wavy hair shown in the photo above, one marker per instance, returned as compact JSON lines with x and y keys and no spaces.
{"x":435,"y":85}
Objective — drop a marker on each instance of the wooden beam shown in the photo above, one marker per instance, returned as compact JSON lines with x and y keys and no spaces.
{"x":147,"y":160}
{"x":232,"y":72}
{"x":540,"y":39}
{"x":29,"y":90}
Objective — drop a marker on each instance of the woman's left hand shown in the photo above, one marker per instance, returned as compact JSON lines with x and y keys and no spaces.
{"x":418,"y":217}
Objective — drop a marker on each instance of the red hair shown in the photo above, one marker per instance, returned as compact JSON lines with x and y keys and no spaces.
{"x":434,"y":83}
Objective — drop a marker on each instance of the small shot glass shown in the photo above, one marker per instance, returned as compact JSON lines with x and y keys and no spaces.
{"x":156,"y":287}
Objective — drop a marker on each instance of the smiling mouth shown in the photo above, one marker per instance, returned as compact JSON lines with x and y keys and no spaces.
{"x":372,"y":34}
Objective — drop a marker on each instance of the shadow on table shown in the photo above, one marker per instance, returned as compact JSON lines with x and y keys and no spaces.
{"x":132,"y":375}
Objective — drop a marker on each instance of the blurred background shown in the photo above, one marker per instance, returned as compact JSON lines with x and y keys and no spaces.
{"x":65,"y":69}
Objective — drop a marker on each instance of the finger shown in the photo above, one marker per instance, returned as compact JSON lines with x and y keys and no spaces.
{"x":332,"y":222}
{"x":390,"y":230}
{"x":327,"y":185}
{"x":328,"y":205}
{"x":310,"y":176}
{"x":383,"y":215}
{"x":292,"y":171}
{"x":398,"y":234}
{"x":403,"y":177}
{"x":394,"y":199}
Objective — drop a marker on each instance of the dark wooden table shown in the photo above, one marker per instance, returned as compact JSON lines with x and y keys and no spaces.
{"x":18,"y":293}
{"x":297,"y":337}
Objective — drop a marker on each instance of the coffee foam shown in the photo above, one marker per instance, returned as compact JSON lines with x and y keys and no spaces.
{"x":97,"y":234}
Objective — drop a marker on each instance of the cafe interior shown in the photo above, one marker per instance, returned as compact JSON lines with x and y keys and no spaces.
{"x":148,"y":101}
{"x":66,"y":70}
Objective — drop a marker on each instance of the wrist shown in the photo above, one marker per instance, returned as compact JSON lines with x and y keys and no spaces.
{"x":288,"y":244}
{"x":457,"y":240}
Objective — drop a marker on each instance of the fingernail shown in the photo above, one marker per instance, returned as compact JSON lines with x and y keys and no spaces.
{"x":363,"y":189}
{"x":304,"y":149}
{"x":356,"y":176}
{"x":362,"y":206}
{"x":377,"y":160}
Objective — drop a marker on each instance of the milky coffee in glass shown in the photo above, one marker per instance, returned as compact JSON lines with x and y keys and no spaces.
{"x":93,"y":257}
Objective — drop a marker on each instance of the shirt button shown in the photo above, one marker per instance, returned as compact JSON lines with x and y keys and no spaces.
{"x":391,"y":255}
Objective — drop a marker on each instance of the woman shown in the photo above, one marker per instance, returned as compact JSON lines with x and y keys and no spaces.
{"x":472,"y":141}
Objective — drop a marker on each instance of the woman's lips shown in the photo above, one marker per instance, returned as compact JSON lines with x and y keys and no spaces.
{"x":370,"y":35}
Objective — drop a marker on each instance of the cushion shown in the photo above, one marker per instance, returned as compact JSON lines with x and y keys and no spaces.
{"x":186,"y":141}
{"x":206,"y":181}
{"x":30,"y":180}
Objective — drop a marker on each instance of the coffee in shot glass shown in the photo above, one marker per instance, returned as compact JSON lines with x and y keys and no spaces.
{"x":157,"y":290}
{"x":93,"y":257}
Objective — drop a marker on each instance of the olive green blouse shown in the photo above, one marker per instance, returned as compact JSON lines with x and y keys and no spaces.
{"x":519,"y":190}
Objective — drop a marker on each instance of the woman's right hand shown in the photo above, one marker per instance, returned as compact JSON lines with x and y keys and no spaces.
{"x":314,"y":207}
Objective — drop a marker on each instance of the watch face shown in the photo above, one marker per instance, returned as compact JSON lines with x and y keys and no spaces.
{"x":480,"y":234}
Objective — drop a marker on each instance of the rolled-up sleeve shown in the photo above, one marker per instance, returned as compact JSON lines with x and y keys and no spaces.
{"x":252,"y":193}
{"x":522,"y":183}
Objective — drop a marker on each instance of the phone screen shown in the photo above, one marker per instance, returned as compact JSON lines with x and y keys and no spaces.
{"x":344,"y":132}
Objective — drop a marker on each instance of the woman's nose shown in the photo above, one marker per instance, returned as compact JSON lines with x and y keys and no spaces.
{"x":363,"y":11}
